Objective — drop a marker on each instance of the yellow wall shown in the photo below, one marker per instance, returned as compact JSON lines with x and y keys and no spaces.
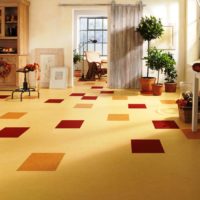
{"x":51,"y":26}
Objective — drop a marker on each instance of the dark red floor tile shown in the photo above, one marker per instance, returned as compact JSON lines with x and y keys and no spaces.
{"x":70,"y":124}
{"x":10,"y":132}
{"x":165,"y":124}
{"x":4,"y":96}
{"x":77,"y":94}
{"x":191,"y":135}
{"x":54,"y":100}
{"x":107,"y":92}
{"x":136,"y":106}
{"x":89,"y":98}
{"x":97,"y":87}
{"x":146,"y":146}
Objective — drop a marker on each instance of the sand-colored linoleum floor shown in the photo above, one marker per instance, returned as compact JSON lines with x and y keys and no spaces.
{"x":98,"y":163}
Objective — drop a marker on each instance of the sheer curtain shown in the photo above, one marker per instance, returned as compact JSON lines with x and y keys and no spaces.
{"x":125,"y":46}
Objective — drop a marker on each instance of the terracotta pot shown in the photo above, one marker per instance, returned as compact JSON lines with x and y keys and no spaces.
{"x":77,"y":73}
{"x":146,"y":83}
{"x":170,"y":87}
{"x":157,"y":89}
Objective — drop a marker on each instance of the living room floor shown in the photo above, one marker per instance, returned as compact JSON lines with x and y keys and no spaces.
{"x":90,"y":142}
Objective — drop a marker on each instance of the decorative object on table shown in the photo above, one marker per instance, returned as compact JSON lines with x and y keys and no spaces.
{"x":5,"y":69}
{"x":28,"y":68}
{"x":150,"y":28}
{"x":170,"y":73}
{"x":185,"y":107}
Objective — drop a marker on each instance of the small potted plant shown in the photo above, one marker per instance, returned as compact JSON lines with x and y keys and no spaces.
{"x":77,"y":58}
{"x":149,"y":28}
{"x":171,"y":74}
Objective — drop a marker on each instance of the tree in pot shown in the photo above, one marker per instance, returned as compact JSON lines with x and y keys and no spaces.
{"x":171,"y":74}
{"x":156,"y":60}
{"x":149,"y":28}
{"x":77,"y":58}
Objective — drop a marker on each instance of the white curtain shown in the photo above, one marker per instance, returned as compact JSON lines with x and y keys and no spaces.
{"x":125,"y":46}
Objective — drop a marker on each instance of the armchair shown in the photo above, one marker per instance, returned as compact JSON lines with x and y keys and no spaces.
{"x":95,"y":65}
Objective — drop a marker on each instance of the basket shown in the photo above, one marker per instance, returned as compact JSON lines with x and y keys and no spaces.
{"x":185,"y":114}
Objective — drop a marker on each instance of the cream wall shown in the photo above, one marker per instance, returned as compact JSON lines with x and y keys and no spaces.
{"x":51,"y":26}
{"x":193,"y":35}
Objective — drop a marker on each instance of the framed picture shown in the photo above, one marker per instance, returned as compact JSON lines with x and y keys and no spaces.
{"x":47,"y":59}
{"x":58,"y":77}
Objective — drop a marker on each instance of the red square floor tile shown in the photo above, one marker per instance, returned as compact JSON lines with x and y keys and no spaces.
{"x":136,"y":106}
{"x":165,"y":124}
{"x":191,"y":135}
{"x":12,"y":132}
{"x":54,"y":100}
{"x":70,"y":124}
{"x":4,"y":96}
{"x":89,"y":98}
{"x":97,"y":87}
{"x":107,"y":92}
{"x":146,"y":146}
{"x":77,"y":94}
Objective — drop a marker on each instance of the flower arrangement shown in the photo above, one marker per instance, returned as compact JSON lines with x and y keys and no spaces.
{"x":5,"y":69}
{"x":185,"y":107}
{"x":32,"y":67}
{"x":186,"y":101}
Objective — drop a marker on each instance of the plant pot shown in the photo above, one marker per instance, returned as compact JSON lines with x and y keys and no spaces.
{"x":170,"y":87}
{"x":77,"y":73}
{"x":157,"y":89}
{"x":146,"y":83}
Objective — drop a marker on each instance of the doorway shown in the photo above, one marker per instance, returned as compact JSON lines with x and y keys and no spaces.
{"x":90,"y":34}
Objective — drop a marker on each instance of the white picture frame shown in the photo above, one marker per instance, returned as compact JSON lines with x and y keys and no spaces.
{"x":58,"y":78}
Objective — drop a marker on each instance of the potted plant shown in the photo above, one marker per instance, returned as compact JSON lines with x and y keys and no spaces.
{"x":77,"y":58}
{"x":171,"y":74}
{"x":156,"y":60}
{"x":149,"y":28}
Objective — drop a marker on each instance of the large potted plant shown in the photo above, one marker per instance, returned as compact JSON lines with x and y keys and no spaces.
{"x":149,"y":28}
{"x":157,"y":60}
{"x":171,"y":74}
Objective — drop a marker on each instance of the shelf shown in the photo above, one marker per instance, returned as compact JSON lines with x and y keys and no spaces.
{"x":13,"y":22}
{"x":8,"y":37}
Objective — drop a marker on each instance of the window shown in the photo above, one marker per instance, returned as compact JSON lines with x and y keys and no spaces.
{"x":93,"y":28}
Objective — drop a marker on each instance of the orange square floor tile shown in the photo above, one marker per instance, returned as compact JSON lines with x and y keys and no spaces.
{"x":191,"y":135}
{"x":83,"y":105}
{"x":168,"y":101}
{"x":119,"y":98}
{"x":118,"y":117}
{"x":13,"y":115}
{"x":41,"y":162}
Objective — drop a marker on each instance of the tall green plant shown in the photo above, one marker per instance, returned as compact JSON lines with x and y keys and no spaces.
{"x":154,"y":60}
{"x":170,"y":71}
{"x":150,"y":28}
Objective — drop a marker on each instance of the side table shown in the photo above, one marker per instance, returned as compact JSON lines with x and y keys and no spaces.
{"x":25,"y":87}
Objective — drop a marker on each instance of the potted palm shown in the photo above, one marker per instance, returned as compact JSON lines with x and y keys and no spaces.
{"x":171,"y":74}
{"x":149,"y":28}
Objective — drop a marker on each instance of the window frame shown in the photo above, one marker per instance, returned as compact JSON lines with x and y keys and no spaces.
{"x":102,"y":30}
